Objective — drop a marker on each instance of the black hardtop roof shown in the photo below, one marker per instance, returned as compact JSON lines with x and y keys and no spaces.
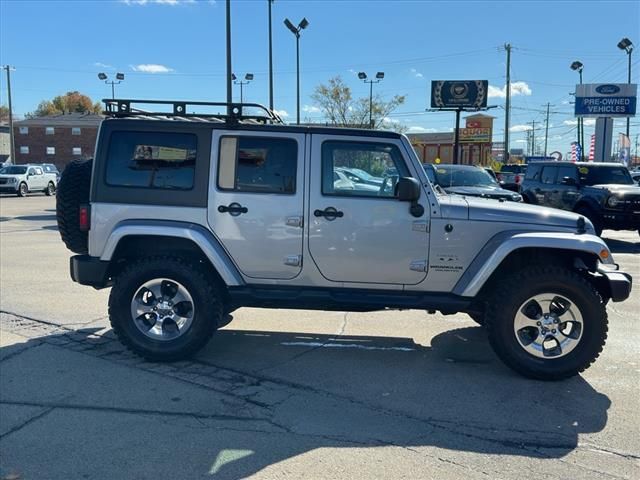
{"x":311,"y":129}
{"x":579,"y":164}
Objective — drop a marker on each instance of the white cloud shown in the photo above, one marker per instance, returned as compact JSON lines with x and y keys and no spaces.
{"x":587,"y":121}
{"x":311,"y":109}
{"x":102,"y":65}
{"x":521,"y":141}
{"x":416,"y":73}
{"x":282,"y":113}
{"x":417,"y":129}
{"x":517,"y":88}
{"x":390,"y":120}
{"x":520,"y":128}
{"x":158,"y":2}
{"x":151,"y":68}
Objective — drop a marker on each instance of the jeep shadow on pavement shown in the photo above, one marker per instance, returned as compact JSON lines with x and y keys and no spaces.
{"x":275,"y":396}
{"x":189,"y":216}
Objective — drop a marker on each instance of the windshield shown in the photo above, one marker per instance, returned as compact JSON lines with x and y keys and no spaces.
{"x":13,"y":170}
{"x":605,"y":175}
{"x":463,"y":177}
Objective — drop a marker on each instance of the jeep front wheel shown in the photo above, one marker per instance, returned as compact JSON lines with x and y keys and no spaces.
{"x":23,"y":190}
{"x":164,"y":308}
{"x":548,"y":323}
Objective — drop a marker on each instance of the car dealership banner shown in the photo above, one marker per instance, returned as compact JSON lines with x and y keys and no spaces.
{"x":606,"y":100}
{"x":459,"y":94}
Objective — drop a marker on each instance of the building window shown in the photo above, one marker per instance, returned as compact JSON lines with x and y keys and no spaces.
{"x":24,"y":150}
{"x":77,"y":151}
{"x":76,"y":131}
{"x":51,"y":150}
{"x":49,"y":130}
{"x":24,"y":130}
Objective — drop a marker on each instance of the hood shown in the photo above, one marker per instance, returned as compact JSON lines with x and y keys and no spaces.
{"x":522,"y":213}
{"x":617,"y":188}
{"x":482,"y":191}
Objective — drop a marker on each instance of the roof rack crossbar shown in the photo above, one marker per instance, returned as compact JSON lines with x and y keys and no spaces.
{"x":123,"y":107}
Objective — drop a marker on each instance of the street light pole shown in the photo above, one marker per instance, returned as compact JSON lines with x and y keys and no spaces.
{"x":363,"y":76}
{"x":626,"y":45}
{"x":304,"y":23}
{"x":270,"y":2}
{"x":248,"y":77}
{"x":578,"y":66}
{"x":119,"y":77}
{"x":12,"y":145}
{"x":229,"y":73}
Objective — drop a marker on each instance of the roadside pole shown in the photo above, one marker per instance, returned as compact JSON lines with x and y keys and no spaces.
{"x":456,"y":138}
{"x":8,"y":68}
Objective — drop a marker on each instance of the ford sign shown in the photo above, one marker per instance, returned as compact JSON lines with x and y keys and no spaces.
{"x":608,"y":89}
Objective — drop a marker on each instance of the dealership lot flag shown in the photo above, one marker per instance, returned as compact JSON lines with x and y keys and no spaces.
{"x":624,"y":154}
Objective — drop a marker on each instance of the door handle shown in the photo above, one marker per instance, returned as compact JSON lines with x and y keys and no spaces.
{"x":234,"y":209}
{"x":330,"y":213}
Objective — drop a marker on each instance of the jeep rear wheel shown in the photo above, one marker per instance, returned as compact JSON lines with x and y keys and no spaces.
{"x":548,"y":323}
{"x":164,"y":308}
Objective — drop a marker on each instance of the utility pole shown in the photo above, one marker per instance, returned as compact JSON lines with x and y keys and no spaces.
{"x":8,"y":68}
{"x":270,"y":59}
{"x":533,"y":138}
{"x":229,"y":72}
{"x":507,"y":106}
{"x":546,"y":130}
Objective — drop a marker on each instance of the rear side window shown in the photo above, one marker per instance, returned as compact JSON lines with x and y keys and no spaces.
{"x":258,"y":164}
{"x":533,"y":172}
{"x":567,"y":171}
{"x":549,"y":174}
{"x":161,"y":160}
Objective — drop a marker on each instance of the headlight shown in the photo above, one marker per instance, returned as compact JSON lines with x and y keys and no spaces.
{"x":12,"y":180}
{"x":516,"y":198}
{"x":613,"y":202}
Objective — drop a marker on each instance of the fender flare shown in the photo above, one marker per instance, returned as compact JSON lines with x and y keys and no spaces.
{"x":589,"y":202}
{"x":502,"y":245}
{"x":200,"y":236}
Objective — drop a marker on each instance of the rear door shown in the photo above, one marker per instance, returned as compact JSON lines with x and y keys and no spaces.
{"x":544,"y":191}
{"x":256,"y":200}
{"x":565,"y":195}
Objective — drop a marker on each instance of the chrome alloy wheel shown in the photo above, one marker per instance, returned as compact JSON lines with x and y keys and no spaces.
{"x":548,"y":326}
{"x":162,"y":309}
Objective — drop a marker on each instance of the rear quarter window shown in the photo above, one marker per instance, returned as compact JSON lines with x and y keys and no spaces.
{"x":533,"y":172}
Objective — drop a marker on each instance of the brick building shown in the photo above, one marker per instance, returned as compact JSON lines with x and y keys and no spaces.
{"x":56,"y":138}
{"x":5,"y":144}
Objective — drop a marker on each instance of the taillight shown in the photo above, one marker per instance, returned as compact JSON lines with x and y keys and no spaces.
{"x":84,"y":218}
{"x":518,"y":179}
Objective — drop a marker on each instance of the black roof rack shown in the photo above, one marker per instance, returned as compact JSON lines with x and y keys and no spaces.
{"x":184,"y":110}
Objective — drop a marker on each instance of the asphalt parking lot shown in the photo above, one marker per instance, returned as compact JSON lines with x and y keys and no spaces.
{"x":292,"y":394}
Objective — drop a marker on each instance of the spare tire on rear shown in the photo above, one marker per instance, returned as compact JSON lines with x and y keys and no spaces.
{"x":73,"y":191}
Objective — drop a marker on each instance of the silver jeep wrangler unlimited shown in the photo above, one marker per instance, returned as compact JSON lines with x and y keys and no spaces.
{"x":190,"y":216}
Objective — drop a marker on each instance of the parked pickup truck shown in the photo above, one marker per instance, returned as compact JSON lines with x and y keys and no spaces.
{"x":22,"y":179}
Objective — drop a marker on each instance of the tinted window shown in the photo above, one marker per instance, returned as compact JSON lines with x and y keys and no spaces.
{"x":151,"y":160}
{"x":14,"y":170}
{"x":361,"y":169}
{"x":567,"y":171}
{"x":605,"y":175}
{"x":258,"y":164}
{"x":533,"y":172}
{"x":549,"y":174}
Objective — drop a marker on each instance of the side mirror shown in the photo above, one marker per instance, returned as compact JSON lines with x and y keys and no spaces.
{"x":408,"y":189}
{"x":568,"y":181}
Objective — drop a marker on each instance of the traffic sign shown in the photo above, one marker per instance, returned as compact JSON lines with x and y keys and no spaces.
{"x":606,"y":100}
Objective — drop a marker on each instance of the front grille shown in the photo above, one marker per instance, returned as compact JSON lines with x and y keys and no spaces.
{"x":4,"y":181}
{"x":633,"y":204}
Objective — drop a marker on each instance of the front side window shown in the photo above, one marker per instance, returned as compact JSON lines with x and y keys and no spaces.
{"x":32,"y":171}
{"x":533,"y":172}
{"x":258,"y":164}
{"x":361,"y":169}
{"x":568,"y":171}
{"x":599,"y":175}
{"x":548,"y":174}
{"x":151,"y":160}
{"x":51,"y":150}
{"x":38,"y":171}
{"x":49,"y":130}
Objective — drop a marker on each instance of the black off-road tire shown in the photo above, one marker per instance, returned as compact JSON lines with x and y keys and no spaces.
{"x":515,"y":290}
{"x":73,"y":191}
{"x":207,"y":299}
{"x":23,"y":190}
{"x":50,"y":190}
{"x":593,"y":217}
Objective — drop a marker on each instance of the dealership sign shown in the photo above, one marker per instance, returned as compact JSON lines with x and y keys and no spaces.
{"x":475,"y":135}
{"x":459,"y":94}
{"x":606,"y":100}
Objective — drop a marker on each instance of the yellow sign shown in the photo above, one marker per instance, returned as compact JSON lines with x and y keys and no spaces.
{"x":475,"y":135}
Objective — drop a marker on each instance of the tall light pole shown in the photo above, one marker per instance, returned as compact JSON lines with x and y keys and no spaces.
{"x":507,"y":103}
{"x":296,"y":31}
{"x":626,"y":45}
{"x":577,"y":66}
{"x":12,"y":145}
{"x":270,"y":59}
{"x":229,"y":68}
{"x":248,"y":78}
{"x":119,"y":78}
{"x":363,"y":76}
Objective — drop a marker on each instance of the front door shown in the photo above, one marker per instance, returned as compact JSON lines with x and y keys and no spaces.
{"x":256,"y":200}
{"x":361,"y":233}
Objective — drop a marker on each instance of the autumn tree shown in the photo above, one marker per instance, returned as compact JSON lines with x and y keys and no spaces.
{"x":71,"y":102}
{"x":342,"y":109}
{"x":4,"y":114}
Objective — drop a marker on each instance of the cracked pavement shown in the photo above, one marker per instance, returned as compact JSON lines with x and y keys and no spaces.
{"x":291,"y":393}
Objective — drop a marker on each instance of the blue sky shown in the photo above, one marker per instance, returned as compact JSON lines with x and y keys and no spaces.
{"x":175,"y":49}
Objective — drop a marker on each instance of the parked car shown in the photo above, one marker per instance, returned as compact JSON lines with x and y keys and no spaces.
{"x":51,"y":168}
{"x":468,"y":180}
{"x":604,"y":193}
{"x":514,"y":168}
{"x":23,"y":179}
{"x":359,"y":176}
{"x":635,"y":176}
{"x":342,"y":181}
{"x":189,"y":219}
{"x":511,"y":181}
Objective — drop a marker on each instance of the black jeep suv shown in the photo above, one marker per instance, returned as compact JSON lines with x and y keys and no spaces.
{"x":603,"y":192}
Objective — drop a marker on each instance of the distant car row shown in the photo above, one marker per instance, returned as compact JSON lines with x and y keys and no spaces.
{"x":24,"y":179}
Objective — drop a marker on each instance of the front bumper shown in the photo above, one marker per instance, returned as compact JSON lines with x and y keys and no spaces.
{"x":87,"y":270}
{"x":9,"y":187}
{"x":618,"y":220}
{"x":617,"y":284}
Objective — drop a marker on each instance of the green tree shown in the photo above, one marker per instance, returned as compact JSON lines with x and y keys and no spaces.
{"x":342,"y":109}
{"x":4,"y":113}
{"x":71,"y":102}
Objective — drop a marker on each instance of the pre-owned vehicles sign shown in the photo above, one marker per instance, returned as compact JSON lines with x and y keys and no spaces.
{"x":606,"y":100}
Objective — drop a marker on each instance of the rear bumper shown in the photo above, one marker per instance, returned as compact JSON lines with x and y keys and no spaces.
{"x":87,"y":270}
{"x":618,"y":284}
